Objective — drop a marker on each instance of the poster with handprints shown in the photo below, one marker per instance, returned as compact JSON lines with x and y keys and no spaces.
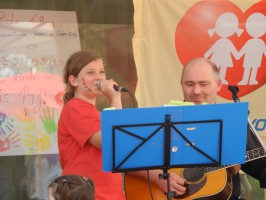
{"x":34,"y":46}
{"x":29,"y":113}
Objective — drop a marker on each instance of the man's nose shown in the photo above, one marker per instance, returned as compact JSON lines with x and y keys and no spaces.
{"x":196,"y":89}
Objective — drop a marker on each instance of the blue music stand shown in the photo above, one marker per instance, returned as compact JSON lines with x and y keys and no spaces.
{"x":174,"y":136}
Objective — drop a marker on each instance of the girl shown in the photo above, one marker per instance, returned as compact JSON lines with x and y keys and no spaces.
{"x":79,"y":134}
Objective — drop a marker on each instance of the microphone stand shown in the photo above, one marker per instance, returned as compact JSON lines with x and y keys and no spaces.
{"x":234,"y":90}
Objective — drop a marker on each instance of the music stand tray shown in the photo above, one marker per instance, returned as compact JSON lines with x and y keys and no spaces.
{"x":174,"y":136}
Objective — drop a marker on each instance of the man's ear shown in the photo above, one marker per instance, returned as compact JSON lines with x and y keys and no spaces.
{"x":73,"y":81}
{"x":219,"y":85}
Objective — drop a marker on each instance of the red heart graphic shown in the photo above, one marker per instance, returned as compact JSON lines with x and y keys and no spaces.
{"x":193,"y":40}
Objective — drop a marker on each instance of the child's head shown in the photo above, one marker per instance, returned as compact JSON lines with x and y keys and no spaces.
{"x":75,"y":63}
{"x":71,"y":187}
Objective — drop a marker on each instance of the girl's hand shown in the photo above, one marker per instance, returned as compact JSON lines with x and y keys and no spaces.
{"x":107,"y":88}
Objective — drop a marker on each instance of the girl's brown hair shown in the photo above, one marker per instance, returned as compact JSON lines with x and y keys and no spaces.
{"x":75,"y":63}
{"x":72,"y":187}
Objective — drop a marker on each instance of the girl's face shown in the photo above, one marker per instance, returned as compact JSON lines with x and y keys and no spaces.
{"x":88,"y":78}
{"x":50,"y":196}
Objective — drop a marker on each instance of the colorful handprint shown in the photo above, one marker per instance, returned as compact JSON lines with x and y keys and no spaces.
{"x":37,"y":143}
{"x":26,"y":118}
{"x":6,"y":124}
{"x":11,"y":141}
{"x":48,"y":120}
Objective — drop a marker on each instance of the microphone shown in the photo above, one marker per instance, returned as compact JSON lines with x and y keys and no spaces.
{"x":116,"y":87}
{"x":234,"y":90}
{"x":119,"y":88}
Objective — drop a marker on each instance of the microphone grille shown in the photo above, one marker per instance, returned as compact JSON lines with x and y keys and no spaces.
{"x":99,"y":85}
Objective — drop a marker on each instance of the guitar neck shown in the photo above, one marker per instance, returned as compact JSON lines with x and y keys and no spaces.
{"x":250,"y":155}
{"x":255,"y":154}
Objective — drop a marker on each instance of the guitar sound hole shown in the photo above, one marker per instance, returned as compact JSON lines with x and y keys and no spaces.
{"x":193,"y":174}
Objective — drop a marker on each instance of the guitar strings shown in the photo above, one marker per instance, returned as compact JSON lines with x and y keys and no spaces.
{"x":254,"y":153}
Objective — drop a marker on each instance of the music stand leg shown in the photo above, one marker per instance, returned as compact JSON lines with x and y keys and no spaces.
{"x":166,"y":176}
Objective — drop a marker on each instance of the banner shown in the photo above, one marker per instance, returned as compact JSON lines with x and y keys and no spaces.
{"x":34,"y":48}
{"x":231,"y":33}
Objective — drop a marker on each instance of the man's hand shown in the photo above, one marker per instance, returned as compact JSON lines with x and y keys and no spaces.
{"x":176,"y":184}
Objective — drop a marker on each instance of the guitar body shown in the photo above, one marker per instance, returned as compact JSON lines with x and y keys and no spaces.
{"x":210,"y":186}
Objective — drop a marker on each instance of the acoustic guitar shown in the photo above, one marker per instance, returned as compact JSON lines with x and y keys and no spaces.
{"x":201,"y":182}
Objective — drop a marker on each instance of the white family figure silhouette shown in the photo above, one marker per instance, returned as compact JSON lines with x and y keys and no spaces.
{"x":253,"y":49}
{"x":220,"y":52}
